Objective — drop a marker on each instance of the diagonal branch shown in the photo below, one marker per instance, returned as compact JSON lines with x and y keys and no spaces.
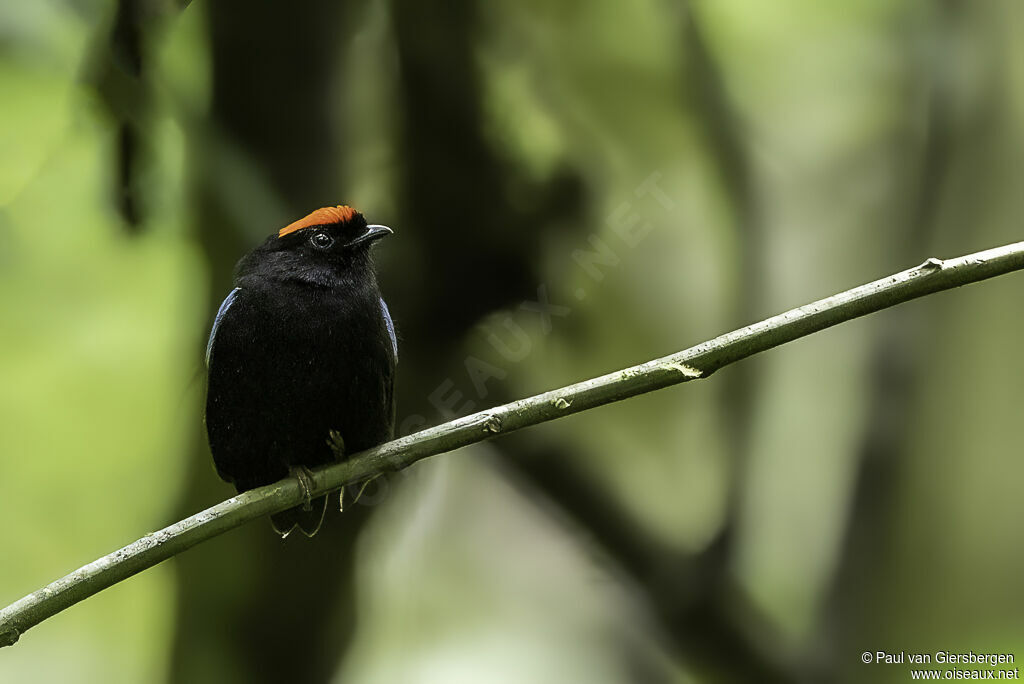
{"x":696,"y":362}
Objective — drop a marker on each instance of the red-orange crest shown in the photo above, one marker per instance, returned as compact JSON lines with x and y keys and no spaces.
{"x":320,"y":217}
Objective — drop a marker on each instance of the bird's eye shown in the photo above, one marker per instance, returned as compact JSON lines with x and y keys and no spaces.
{"x":321,"y":240}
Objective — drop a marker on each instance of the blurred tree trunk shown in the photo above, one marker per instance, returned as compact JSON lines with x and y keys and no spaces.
{"x":474,"y":247}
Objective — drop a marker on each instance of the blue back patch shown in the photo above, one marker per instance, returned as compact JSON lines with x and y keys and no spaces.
{"x":391,"y":327}
{"x":224,"y":306}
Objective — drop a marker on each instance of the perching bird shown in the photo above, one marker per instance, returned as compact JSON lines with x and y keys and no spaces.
{"x":301,"y":358}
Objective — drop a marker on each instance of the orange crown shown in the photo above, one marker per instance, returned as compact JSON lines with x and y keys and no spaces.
{"x":320,"y":217}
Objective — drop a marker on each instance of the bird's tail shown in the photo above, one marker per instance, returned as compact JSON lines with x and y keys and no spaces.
{"x":307,"y":521}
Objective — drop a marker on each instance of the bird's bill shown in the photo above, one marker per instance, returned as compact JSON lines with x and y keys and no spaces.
{"x":373,"y":232}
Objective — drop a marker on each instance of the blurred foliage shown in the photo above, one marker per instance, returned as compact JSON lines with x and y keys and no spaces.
{"x":856,"y":490}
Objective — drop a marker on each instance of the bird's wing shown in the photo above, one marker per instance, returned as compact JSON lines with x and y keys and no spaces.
{"x":390,"y":324}
{"x":224,"y":306}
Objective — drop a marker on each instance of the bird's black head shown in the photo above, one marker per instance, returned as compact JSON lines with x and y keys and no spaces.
{"x":327,"y":248}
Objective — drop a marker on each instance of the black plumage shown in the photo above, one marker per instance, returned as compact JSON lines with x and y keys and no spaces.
{"x":303,"y":346}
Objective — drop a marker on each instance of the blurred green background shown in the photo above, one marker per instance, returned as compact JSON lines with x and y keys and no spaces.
{"x":858,"y":490}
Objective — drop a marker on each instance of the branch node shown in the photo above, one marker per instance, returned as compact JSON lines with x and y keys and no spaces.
{"x":688,"y":372}
{"x":561,"y":403}
{"x":932,"y":264}
{"x":493,"y":424}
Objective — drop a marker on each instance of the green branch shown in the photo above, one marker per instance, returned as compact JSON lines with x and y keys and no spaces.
{"x":696,"y":362}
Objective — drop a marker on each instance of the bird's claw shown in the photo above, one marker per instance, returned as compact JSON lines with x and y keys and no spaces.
{"x":306,"y":483}
{"x":337,"y":444}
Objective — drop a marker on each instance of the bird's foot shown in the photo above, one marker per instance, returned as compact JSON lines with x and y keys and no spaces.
{"x":306,"y":483}
{"x":337,"y":444}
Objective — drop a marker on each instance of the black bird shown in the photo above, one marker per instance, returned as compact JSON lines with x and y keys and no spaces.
{"x":301,"y":358}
